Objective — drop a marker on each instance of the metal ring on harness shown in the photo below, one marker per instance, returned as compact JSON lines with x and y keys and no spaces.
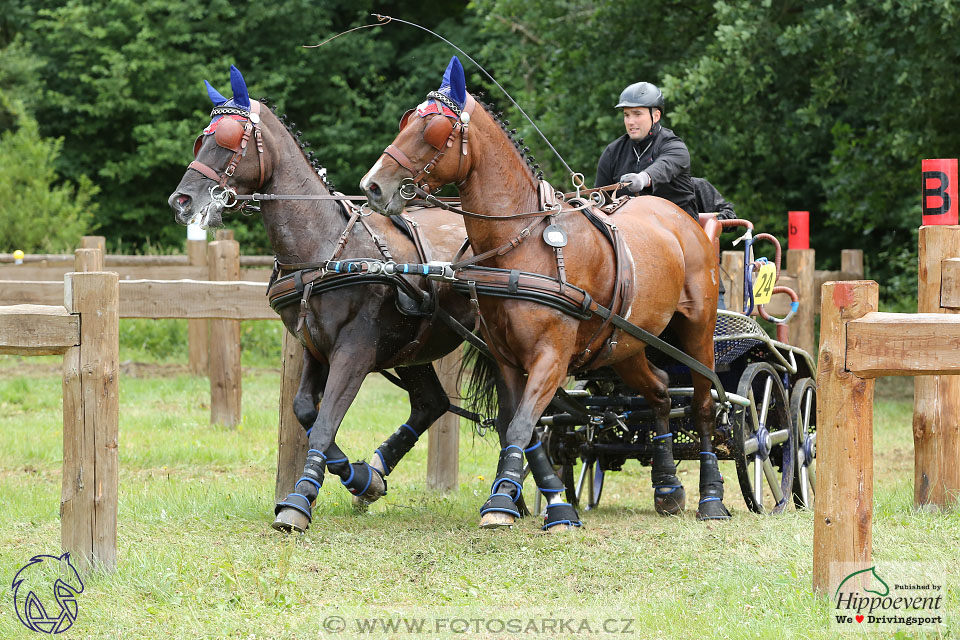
{"x":227,"y":197}
{"x":365,"y":205}
{"x":408,"y":189}
{"x":578,"y":183}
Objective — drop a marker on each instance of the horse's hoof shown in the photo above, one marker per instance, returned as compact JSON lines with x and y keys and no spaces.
{"x":712,"y":510}
{"x":376,"y":490}
{"x":670,"y":504}
{"x":290,"y":520}
{"x":560,"y":527}
{"x":497,"y":520}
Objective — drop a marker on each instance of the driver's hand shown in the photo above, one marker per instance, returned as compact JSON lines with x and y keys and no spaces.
{"x":636,"y":182}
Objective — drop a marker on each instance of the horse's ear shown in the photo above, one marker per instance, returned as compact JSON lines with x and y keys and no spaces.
{"x":240,"y":96}
{"x":454,"y":78}
{"x":215,"y":96}
{"x":437,"y":131}
{"x":405,"y":118}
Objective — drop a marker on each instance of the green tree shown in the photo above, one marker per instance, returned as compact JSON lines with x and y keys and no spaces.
{"x":38,"y":212}
{"x":123,"y":85}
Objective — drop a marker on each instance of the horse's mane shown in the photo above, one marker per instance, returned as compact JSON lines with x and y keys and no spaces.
{"x":524,"y":152}
{"x":303,"y":144}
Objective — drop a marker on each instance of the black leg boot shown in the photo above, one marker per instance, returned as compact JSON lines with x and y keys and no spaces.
{"x":669,"y":496}
{"x":711,"y":490}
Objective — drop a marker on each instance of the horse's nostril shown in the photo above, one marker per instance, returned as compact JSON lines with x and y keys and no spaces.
{"x":182,"y":200}
{"x":374,"y":189}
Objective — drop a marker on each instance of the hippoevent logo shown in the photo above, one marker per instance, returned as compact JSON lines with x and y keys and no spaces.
{"x":45,"y":593}
{"x":888,"y":598}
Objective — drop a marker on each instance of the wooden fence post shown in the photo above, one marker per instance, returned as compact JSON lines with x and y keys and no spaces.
{"x":936,"y":413}
{"x":224,"y":234}
{"x":731,"y":271}
{"x":851,"y":261}
{"x":291,"y":438}
{"x":801,"y":263}
{"x":94,"y":242}
{"x":91,"y":389}
{"x":224,"y":360}
{"x":197,"y":330}
{"x":843,"y":520}
{"x":87,"y":260}
{"x":443,"y":443}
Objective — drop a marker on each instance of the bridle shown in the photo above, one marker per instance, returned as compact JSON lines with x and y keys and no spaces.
{"x":439,"y":133}
{"x":231,"y":135}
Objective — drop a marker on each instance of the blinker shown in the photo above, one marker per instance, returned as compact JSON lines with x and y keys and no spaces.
{"x":405,"y":118}
{"x":229,"y":133}
{"x":437,"y":131}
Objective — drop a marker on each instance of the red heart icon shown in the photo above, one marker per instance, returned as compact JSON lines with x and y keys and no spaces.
{"x":859,"y":618}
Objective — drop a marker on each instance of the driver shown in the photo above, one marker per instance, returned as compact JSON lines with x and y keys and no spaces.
{"x":649,"y":158}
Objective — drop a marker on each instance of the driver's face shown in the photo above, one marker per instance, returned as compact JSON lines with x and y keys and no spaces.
{"x":638,"y":122}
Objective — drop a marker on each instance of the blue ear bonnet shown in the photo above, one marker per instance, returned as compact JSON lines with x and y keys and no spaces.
{"x":240,"y":99}
{"x":454,"y":84}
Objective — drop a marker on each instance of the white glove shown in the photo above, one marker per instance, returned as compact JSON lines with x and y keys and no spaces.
{"x":636,"y":182}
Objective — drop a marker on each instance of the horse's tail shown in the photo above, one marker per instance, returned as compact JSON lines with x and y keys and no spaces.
{"x":481,"y":374}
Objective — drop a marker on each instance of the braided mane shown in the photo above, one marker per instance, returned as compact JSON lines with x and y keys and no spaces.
{"x":524,"y":152}
{"x":296,"y":133}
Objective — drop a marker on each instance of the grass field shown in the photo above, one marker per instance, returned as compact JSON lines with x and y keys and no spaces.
{"x":197,"y":558}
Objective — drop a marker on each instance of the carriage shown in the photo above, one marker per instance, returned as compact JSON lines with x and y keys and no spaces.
{"x":769,"y":430}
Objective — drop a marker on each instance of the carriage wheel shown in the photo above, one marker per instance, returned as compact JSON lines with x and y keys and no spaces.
{"x":803,"y":414}
{"x":765,"y":441}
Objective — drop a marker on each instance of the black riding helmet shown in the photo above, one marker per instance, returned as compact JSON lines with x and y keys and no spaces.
{"x":641,"y":94}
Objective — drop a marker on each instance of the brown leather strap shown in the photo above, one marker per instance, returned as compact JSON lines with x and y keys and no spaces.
{"x":342,"y":240}
{"x":622,"y":295}
{"x":381,"y":245}
{"x":206,"y":171}
{"x":398,"y":156}
{"x":503,"y":249}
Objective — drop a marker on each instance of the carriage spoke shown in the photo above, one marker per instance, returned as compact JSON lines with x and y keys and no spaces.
{"x":750,"y":446}
{"x":772,"y":480}
{"x":804,"y":485}
{"x":588,"y":468}
{"x":581,"y":480}
{"x":597,"y":485}
{"x":758,"y":481}
{"x":767,"y":393}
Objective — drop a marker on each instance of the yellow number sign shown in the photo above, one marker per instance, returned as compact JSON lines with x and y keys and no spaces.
{"x":763,"y":284}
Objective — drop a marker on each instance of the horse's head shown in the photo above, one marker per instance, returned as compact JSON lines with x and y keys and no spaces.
{"x":69,"y":574}
{"x":426,"y":153}
{"x":230,"y":158}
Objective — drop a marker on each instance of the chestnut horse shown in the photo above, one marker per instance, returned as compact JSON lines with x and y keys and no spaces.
{"x":453,"y":139}
{"x":354,"y":330}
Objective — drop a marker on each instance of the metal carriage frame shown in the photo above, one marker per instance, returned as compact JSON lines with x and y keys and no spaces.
{"x":769,"y":431}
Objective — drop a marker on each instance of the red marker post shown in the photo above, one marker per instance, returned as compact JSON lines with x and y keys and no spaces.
{"x":939,"y":191}
{"x":799,"y":234}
